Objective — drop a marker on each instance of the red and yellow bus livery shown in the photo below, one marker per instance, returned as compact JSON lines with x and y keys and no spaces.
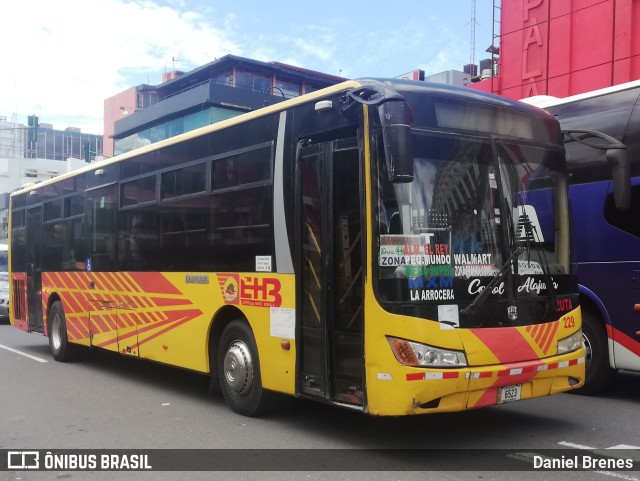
{"x":377,"y":245}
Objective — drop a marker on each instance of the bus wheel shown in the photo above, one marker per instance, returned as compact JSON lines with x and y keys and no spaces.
{"x":239,"y":371}
{"x":599,"y":374}
{"x":61,"y":348}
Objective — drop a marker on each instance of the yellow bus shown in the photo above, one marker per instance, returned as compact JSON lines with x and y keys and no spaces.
{"x":377,"y":245}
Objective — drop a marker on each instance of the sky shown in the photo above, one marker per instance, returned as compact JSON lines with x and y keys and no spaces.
{"x":61,"y":59}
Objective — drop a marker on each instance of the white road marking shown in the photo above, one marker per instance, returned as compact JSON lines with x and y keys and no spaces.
{"x":619,"y":475}
{"x":577,"y":446}
{"x":527,"y":457}
{"x":606,"y":473}
{"x":35,"y":358}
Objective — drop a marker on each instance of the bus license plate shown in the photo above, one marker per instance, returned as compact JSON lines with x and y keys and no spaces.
{"x":510,"y":393}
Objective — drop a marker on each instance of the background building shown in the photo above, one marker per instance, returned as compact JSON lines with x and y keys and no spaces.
{"x":221,"y":89}
{"x":449,"y":77}
{"x":29,"y":154}
{"x":564,"y":47}
{"x":146,"y":114}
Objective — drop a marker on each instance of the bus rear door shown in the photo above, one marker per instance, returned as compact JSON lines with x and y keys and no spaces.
{"x":111,"y":327}
{"x":34,"y":268}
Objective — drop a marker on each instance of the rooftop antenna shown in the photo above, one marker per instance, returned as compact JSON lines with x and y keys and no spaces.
{"x":174,"y":60}
{"x":472,"y":56}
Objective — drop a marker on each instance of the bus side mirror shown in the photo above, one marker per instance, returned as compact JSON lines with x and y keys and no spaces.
{"x":396,"y":118}
{"x":621,"y":175}
{"x":616,"y":153}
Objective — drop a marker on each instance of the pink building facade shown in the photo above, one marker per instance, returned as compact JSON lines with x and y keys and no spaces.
{"x":565,"y":47}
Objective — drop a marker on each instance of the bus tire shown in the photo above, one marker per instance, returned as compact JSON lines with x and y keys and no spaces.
{"x":239,"y":371}
{"x":599,"y":374}
{"x":61,"y":348}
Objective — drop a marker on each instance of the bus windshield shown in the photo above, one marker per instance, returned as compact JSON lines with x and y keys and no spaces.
{"x":474,"y":210}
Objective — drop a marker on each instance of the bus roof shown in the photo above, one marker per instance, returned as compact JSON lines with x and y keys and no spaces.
{"x":461,"y":93}
{"x":197,"y":132}
{"x":544,"y":101}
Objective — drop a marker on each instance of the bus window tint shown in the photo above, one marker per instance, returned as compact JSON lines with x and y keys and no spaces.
{"x":183,"y":235}
{"x":241,"y":228}
{"x":184,"y":181}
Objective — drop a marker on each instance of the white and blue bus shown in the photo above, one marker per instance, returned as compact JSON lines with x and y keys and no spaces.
{"x":604,"y":196}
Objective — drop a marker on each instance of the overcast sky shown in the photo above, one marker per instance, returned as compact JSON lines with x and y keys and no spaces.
{"x":62,"y":58}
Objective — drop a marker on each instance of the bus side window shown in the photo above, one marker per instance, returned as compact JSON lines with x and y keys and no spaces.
{"x":629,"y":220}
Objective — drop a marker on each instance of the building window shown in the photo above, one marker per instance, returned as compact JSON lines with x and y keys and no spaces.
{"x":254,"y":81}
{"x":145,"y":99}
{"x":289,"y":89}
{"x":224,"y":79}
{"x":308,"y":88}
{"x":172,"y":127}
{"x":261,"y":83}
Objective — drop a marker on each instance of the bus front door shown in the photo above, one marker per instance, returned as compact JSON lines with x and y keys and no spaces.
{"x":331,"y":359}
{"x":34,"y":269}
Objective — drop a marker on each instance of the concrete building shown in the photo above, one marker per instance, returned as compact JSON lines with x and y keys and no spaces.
{"x":184,"y":101}
{"x":449,"y":77}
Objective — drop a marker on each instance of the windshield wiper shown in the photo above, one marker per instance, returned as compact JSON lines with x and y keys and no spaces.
{"x":475,"y":304}
{"x":531,"y":233}
{"x":511,"y":230}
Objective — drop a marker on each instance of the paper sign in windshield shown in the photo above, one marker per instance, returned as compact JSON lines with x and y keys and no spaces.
{"x":412,"y":250}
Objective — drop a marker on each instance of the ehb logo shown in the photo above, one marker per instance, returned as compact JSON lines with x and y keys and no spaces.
{"x":23,"y":460}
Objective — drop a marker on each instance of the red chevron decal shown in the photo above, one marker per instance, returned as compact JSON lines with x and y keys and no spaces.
{"x":507,"y":344}
{"x":543,"y":335}
{"x":154,"y":282}
{"x":140,"y":293}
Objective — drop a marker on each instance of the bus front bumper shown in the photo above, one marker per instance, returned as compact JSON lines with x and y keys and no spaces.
{"x":445,"y":390}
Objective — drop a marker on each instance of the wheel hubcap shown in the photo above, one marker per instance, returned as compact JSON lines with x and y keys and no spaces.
{"x":238,"y":367}
{"x":588,"y":350}
{"x":55,"y":333}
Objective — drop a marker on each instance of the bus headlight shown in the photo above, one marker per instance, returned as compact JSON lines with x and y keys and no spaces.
{"x":570,"y":343}
{"x":412,"y":353}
